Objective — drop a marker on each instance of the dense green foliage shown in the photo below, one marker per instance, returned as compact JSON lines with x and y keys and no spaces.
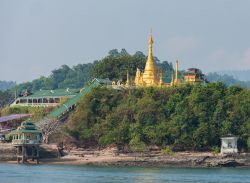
{"x":117,"y":64}
{"x":6,"y":97}
{"x":227,"y":79}
{"x":187,"y":117}
{"x":64,"y":77}
{"x":5,"y":85}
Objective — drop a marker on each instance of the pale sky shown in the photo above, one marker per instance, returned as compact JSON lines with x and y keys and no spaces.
{"x":37,"y":36}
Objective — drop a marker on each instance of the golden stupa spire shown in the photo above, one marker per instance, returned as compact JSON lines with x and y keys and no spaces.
{"x":150,"y":76}
{"x":150,"y":61}
{"x":150,"y":47}
{"x":176,"y":72}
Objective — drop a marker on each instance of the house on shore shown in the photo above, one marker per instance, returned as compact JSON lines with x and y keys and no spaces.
{"x":229,"y":144}
{"x":26,"y":138}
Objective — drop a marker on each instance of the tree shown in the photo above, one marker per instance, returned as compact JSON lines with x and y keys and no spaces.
{"x":5,"y":85}
{"x":189,"y":117}
{"x":6,"y":97}
{"x":137,"y":146}
{"x":48,"y":127}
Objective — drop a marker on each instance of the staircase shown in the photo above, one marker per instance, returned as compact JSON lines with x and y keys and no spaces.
{"x":70,"y":104}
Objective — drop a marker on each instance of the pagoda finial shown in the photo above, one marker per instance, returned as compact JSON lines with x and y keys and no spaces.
{"x":149,"y":63}
{"x":176,"y":72}
{"x":150,"y":41}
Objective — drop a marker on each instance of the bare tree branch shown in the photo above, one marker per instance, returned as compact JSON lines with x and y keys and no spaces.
{"x":48,"y":127}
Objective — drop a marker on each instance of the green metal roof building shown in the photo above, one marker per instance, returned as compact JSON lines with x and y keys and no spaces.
{"x":26,"y":137}
{"x":45,"y":98}
{"x":26,"y":134}
{"x":52,"y":98}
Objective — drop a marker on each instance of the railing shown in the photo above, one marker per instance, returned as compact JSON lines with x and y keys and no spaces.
{"x":22,"y":141}
{"x":36,"y":104}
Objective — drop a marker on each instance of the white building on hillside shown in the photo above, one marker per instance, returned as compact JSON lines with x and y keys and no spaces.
{"x":229,"y":145}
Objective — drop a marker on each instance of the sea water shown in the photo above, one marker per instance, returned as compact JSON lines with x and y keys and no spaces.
{"x":13,"y":173}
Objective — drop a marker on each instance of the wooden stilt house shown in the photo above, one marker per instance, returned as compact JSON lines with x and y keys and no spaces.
{"x":26,"y":138}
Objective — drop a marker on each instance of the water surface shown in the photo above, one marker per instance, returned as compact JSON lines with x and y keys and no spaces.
{"x":12,"y":173}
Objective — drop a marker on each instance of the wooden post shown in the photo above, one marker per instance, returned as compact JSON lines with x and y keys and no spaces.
{"x":37,"y":154}
{"x":23,"y":153}
{"x":33,"y":153}
{"x":18,"y":154}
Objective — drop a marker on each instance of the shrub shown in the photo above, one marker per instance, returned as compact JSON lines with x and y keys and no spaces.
{"x":167,"y":151}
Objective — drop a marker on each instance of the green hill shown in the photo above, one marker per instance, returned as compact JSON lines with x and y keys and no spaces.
{"x":5,"y":85}
{"x":229,"y":80}
{"x":114,"y":65}
{"x":186,"y":117}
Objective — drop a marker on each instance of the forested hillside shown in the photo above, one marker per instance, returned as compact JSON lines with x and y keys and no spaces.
{"x":227,"y":79}
{"x":185,"y":117}
{"x":6,"y":97}
{"x":64,"y":77}
{"x":5,"y":85}
{"x":113,"y":66}
{"x":242,"y":75}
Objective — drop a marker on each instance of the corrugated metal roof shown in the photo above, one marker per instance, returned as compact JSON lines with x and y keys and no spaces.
{"x":24,"y":131}
{"x":53,"y":93}
{"x":13,"y":117}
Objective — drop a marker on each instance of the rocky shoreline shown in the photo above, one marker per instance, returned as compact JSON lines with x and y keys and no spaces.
{"x":50,"y":154}
{"x":182,"y":159}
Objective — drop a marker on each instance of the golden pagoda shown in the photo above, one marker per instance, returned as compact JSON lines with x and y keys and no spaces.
{"x":150,"y":76}
{"x":154,"y":77}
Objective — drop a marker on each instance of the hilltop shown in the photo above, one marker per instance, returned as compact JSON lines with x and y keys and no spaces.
{"x":242,"y":75}
{"x":113,"y":66}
